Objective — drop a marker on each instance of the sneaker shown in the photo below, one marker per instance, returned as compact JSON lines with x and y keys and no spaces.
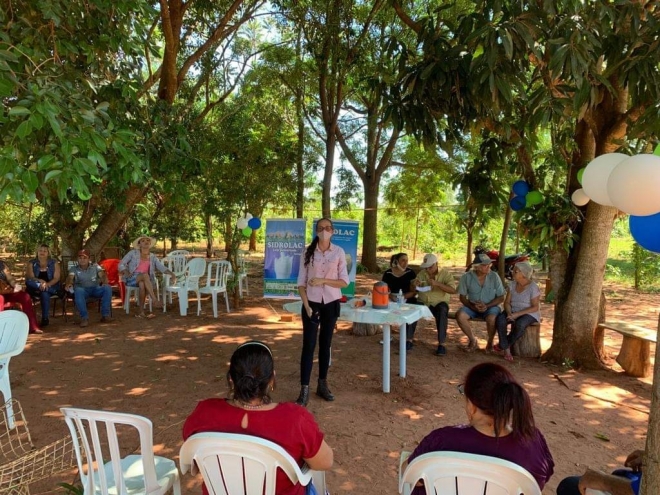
{"x":441,"y":350}
{"x":107,"y":319}
{"x":84,"y":322}
{"x":44,"y":322}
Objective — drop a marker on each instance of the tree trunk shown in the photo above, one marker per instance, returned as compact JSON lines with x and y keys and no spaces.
{"x":578,"y":299}
{"x":370,"y":234}
{"x":651,"y":478}
{"x":300,"y":152}
{"x":505,"y":234}
{"x":252,"y":246}
{"x":327,"y":174}
{"x":557,"y":269}
{"x":208,"y":224}
{"x":470,"y":242}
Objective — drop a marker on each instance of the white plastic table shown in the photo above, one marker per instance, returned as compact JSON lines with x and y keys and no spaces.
{"x":407,"y":313}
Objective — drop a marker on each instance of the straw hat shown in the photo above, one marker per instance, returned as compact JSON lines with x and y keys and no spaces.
{"x":144,"y":236}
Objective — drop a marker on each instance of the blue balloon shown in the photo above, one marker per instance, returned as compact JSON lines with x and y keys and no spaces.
{"x":646,"y":231}
{"x":520,"y":188}
{"x":254,"y":223}
{"x":517,"y":203}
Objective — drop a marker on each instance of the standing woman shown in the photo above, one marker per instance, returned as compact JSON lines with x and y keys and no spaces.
{"x":138,"y":268}
{"x":521,"y":308}
{"x":320,"y":281}
{"x":42,"y":278}
{"x":399,"y":278}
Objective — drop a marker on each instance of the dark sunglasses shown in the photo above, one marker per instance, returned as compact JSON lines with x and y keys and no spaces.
{"x":327,"y":228}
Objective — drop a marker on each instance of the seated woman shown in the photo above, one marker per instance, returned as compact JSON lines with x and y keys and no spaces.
{"x":399,"y":277}
{"x":42,"y":279}
{"x":18,"y":296}
{"x":501,"y":424}
{"x":250,"y":411}
{"x":521,"y":308}
{"x":138,"y":269}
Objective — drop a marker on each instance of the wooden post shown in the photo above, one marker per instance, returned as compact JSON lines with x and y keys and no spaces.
{"x":651,"y":478}
{"x":529,"y":345}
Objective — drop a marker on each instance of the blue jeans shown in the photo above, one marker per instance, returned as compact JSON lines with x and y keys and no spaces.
{"x":518,"y":327}
{"x":43,"y":295}
{"x":102,"y":292}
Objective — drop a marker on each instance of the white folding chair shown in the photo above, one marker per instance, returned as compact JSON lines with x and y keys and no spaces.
{"x":189,"y":282}
{"x":177,"y":265}
{"x":242,"y":272}
{"x":14,"y":329}
{"x":234,"y":464}
{"x":103,"y":470}
{"x":216,"y":283}
{"x":458,"y":473}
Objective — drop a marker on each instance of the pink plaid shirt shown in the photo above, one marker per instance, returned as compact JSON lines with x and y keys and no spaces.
{"x":332,"y":265}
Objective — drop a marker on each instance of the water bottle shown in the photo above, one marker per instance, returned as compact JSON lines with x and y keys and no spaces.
{"x":399,"y":299}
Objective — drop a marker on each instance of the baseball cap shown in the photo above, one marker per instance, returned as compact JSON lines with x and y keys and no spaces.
{"x":83,"y":252}
{"x":482,"y":259}
{"x":429,"y":260}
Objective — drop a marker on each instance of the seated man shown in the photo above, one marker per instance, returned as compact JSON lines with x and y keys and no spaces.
{"x":481,"y":292}
{"x":89,"y":280}
{"x":442,"y":285}
{"x":620,"y":482}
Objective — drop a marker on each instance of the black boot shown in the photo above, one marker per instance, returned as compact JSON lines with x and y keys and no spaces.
{"x":303,"y":398}
{"x":44,"y":322}
{"x":324,"y":392}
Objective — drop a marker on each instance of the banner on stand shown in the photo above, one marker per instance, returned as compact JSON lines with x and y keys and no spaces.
{"x":285,"y":244}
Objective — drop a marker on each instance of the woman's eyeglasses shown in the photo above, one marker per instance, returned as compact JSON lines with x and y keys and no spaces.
{"x":327,"y":228}
{"x":460,"y":389}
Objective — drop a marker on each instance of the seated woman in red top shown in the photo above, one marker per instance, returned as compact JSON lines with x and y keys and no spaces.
{"x":501,"y":424}
{"x":250,"y":411}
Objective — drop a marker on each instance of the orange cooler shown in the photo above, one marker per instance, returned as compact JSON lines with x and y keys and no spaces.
{"x":380,"y":296}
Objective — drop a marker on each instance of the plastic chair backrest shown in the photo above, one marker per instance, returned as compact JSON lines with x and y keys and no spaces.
{"x":465,"y":474}
{"x":194,"y":270}
{"x":85,"y":427}
{"x":234,"y":464}
{"x":179,"y":252}
{"x":176,"y":264}
{"x":240,"y":262}
{"x":216,"y":276}
{"x":14,"y":329}
{"x":111,"y":267}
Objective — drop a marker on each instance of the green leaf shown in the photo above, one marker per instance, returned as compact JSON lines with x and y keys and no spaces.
{"x":55,"y":125}
{"x":18,"y":111}
{"x":51,"y":175}
{"x":24,"y":129}
{"x":6,"y":87}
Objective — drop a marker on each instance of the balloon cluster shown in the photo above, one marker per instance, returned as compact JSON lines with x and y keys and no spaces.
{"x":247,"y":224}
{"x":630,"y":183}
{"x":523,"y":196}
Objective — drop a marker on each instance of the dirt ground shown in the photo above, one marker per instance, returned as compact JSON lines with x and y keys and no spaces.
{"x":161,"y":367}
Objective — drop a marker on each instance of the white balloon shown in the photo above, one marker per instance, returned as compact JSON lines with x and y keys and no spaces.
{"x":596,"y":175}
{"x":241,"y":223}
{"x":579,"y":197}
{"x":248,"y":216}
{"x":634,"y":185}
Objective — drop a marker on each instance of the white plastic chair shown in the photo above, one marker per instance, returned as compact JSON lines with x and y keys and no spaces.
{"x":242,"y":273}
{"x":216,"y":283}
{"x":234,"y":464}
{"x":458,"y":473}
{"x":189,"y":282}
{"x":14,"y":329}
{"x":179,"y":252}
{"x":135,"y":292}
{"x":177,"y":265}
{"x":134,"y":474}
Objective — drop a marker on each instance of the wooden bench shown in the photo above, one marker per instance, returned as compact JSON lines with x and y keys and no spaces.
{"x":529,"y":345}
{"x":635,"y":353}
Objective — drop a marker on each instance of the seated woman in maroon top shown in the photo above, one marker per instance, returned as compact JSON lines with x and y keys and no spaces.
{"x":501,"y":424}
{"x":250,"y":411}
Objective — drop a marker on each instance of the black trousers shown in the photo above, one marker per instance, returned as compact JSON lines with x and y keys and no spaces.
{"x":441,"y":314}
{"x":325,"y":316}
